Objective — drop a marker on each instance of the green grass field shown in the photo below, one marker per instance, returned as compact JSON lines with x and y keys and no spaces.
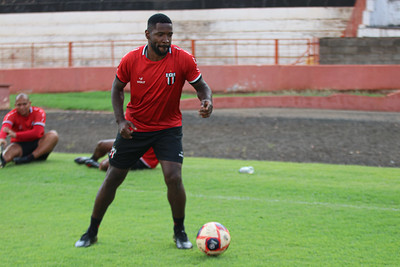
{"x":285,"y":214}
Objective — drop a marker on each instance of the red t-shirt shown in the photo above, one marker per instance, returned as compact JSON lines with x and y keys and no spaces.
{"x":149,"y":159}
{"x":156,"y":87}
{"x":27,"y":128}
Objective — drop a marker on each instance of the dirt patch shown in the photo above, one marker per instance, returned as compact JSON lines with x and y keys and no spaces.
{"x":273,"y":134}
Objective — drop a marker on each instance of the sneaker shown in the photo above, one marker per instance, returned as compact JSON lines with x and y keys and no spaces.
{"x":23,"y":160}
{"x":91,"y":163}
{"x":81,"y":160}
{"x":181,"y":240}
{"x":85,"y":241}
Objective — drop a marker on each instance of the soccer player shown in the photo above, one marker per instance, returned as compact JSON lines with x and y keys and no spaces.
{"x":25,"y":127}
{"x":147,"y":161}
{"x":156,"y":73}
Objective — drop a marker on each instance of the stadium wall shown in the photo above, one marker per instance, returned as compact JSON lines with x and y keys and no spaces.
{"x":236,"y":79}
{"x":241,"y":23}
{"x":367,"y":50}
{"x":232,"y":78}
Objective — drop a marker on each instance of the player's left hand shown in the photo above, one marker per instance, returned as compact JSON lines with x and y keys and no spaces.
{"x":206,"y":108}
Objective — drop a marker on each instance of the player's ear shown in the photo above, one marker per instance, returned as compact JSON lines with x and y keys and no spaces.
{"x":147,"y":34}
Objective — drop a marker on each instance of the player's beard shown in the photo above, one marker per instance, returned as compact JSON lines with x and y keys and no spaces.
{"x":157,"y":50}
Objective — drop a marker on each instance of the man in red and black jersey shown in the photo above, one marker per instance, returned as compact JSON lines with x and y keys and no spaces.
{"x":156,"y":73}
{"x":25,"y":127}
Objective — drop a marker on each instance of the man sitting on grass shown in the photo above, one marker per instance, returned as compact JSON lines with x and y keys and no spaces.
{"x":25,"y":127}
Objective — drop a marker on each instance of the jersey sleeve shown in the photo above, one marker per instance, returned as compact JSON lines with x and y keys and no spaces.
{"x":124,"y":69}
{"x":3,"y":135}
{"x":7,"y":122}
{"x":193,"y":73}
{"x":40,"y":117}
{"x":30,"y":135}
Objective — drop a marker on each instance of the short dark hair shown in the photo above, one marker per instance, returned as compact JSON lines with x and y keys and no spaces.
{"x":157,"y":18}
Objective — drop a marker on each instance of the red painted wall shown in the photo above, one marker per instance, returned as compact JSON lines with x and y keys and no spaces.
{"x":4,"y":97}
{"x":57,"y":79}
{"x":270,"y":78}
{"x":220,"y":78}
{"x":389,"y":103}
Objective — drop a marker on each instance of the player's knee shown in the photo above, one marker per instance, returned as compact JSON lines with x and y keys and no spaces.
{"x":12,"y":150}
{"x":100,"y":144}
{"x":115,"y":176}
{"x":53,"y":135}
{"x":104,"y":145}
{"x":173,"y":179}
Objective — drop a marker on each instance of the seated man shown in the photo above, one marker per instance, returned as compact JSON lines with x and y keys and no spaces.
{"x":148,"y":161}
{"x":25,"y":127}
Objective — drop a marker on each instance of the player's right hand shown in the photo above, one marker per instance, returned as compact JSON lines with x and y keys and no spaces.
{"x":126,"y":129}
{"x":9,"y":132}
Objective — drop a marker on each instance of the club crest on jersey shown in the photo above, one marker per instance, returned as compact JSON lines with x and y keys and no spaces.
{"x":112,"y":152}
{"x":170,"y":78}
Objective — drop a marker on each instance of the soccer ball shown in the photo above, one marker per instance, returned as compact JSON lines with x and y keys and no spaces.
{"x":213,"y":238}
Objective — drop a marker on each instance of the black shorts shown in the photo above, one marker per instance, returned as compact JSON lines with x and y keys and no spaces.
{"x":167,"y":145}
{"x":29,"y":147}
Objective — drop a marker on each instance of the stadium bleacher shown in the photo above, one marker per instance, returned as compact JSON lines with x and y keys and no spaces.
{"x":26,"y":6}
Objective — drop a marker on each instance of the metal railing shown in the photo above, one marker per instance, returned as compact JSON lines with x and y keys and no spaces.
{"x":206,"y":51}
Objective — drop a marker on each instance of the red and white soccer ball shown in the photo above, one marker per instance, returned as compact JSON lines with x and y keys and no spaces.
{"x":213,"y":238}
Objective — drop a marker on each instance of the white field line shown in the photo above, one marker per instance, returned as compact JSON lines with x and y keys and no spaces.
{"x":266,"y":200}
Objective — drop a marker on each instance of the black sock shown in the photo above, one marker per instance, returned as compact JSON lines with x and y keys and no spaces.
{"x":24,"y":159}
{"x":94,"y":226}
{"x":178,"y":224}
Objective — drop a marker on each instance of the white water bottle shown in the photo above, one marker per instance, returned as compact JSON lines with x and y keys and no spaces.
{"x":247,"y":169}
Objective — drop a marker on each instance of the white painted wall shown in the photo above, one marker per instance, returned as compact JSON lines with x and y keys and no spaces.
{"x":379,"y":15}
{"x":394,"y":12}
{"x":251,"y":23}
{"x":384,"y":13}
{"x":379,"y":18}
